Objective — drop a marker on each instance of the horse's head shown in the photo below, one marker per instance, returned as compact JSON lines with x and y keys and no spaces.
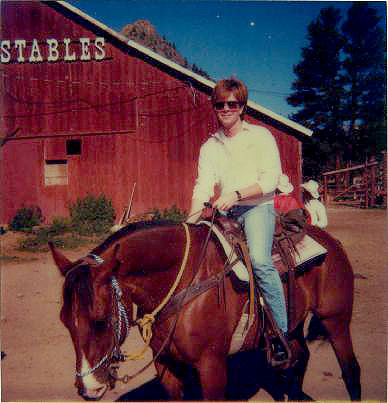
{"x":95,"y":314}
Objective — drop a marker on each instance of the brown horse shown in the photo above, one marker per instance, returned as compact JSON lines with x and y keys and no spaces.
{"x":144,"y":262}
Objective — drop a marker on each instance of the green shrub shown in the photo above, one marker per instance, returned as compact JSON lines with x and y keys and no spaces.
{"x":171,"y":214}
{"x":39,"y":243}
{"x":26,"y":218}
{"x":92,"y":215}
{"x":59,"y":226}
{"x":57,"y":232}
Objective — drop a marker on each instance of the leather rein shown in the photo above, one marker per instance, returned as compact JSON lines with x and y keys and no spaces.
{"x":123,"y":322}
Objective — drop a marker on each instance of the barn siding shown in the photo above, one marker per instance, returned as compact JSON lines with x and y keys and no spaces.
{"x":136,"y":123}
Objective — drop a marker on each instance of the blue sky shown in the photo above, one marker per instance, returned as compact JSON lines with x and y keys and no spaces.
{"x":257,"y":41}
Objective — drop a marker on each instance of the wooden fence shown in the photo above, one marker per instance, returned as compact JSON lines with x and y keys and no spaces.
{"x":363,"y":185}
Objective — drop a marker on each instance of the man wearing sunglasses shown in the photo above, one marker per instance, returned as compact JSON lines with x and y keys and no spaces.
{"x":243,"y":159}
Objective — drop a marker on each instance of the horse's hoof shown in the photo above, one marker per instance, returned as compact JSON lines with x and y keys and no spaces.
{"x":300,"y":397}
{"x":280,"y":365}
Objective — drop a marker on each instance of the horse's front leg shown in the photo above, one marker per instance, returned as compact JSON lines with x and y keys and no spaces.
{"x":212,"y":375}
{"x":172,"y":385}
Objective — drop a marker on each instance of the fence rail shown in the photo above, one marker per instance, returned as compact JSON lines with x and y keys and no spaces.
{"x":362,"y":185}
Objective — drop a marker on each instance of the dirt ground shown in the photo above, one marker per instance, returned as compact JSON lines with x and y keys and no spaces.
{"x":39,"y":361}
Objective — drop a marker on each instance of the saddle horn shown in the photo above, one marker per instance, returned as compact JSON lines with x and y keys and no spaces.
{"x":60,"y":260}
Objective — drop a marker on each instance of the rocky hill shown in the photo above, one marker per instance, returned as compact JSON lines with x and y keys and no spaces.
{"x":144,"y":33}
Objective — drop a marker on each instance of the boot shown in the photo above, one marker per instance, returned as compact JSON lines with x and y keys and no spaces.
{"x":280,"y":354}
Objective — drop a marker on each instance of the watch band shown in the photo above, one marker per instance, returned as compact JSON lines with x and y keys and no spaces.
{"x":239,"y":197}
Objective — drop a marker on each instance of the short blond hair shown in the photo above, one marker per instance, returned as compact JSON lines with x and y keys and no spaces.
{"x":224,"y":88}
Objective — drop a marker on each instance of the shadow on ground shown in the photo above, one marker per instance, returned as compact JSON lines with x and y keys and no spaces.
{"x":248,"y":372}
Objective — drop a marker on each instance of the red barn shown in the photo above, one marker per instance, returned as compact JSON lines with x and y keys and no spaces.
{"x":85,"y":110}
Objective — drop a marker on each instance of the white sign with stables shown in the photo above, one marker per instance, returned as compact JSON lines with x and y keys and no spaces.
{"x":51,"y":50}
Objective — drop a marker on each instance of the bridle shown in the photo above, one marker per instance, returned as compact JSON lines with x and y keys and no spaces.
{"x":122,"y":324}
{"x":145,"y":323}
{"x":115,"y":354}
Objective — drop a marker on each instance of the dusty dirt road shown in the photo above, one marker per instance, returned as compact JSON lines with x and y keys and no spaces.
{"x":39,"y":361}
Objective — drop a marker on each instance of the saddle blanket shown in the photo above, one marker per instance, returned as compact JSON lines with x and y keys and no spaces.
{"x":307,"y":250}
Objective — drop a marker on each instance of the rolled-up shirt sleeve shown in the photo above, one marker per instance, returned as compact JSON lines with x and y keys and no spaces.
{"x":207,"y":176}
{"x":269,"y":168}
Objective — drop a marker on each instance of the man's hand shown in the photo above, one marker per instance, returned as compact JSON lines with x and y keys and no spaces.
{"x":225,"y":202}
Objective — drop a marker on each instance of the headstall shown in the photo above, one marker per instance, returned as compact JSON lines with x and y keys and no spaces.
{"x":122,"y":321}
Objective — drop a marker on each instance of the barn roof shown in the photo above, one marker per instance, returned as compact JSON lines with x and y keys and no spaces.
{"x":182,"y":71}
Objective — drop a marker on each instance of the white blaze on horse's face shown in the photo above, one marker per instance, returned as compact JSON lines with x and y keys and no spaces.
{"x":92,"y":388}
{"x":88,"y":384}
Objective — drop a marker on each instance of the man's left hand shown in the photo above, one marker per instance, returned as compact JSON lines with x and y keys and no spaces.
{"x":225,"y":202}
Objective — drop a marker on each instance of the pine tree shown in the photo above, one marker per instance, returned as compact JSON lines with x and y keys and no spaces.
{"x":365,"y":81}
{"x":341,"y":88}
{"x":318,"y":90}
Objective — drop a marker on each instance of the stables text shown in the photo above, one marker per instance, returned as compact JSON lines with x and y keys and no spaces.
{"x":52,"y":50}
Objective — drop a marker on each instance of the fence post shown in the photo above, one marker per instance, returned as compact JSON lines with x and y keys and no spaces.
{"x":384,"y":178}
{"x":373,"y":178}
{"x":325,"y":190}
{"x":365,"y":178}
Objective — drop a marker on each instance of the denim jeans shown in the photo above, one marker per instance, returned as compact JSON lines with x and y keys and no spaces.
{"x":259,"y":227}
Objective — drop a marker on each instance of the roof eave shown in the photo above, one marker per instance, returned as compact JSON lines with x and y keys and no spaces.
{"x":175,"y":66}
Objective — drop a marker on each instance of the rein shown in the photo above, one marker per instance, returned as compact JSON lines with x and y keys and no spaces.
{"x":144,"y":323}
{"x":148,"y":319}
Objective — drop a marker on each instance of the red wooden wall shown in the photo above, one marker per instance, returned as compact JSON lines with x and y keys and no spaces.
{"x":136,"y":121}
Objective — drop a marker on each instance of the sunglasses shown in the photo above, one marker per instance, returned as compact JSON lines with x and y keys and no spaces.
{"x":232,"y":105}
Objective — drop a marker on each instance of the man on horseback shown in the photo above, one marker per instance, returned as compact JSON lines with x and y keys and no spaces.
{"x":244,"y":160}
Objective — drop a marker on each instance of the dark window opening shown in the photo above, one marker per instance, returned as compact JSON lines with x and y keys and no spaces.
{"x":56,"y":162}
{"x":73,"y":147}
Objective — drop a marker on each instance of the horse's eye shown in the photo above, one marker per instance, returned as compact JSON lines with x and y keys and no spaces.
{"x":100,"y":325}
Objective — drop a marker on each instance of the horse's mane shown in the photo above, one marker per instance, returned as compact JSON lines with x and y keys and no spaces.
{"x":78,"y":278}
{"x":132,"y":227}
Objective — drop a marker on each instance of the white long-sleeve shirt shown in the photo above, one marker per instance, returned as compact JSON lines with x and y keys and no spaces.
{"x":251,"y":156}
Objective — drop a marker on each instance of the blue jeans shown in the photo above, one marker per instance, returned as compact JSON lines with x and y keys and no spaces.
{"x":259,"y":227}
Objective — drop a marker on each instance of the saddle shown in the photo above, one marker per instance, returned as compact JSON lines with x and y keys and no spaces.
{"x":289,"y":230}
{"x":232,"y":231}
{"x":289,"y":227}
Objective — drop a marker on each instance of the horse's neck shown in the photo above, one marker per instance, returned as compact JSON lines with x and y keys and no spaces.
{"x":150,"y":263}
{"x":148,"y":292}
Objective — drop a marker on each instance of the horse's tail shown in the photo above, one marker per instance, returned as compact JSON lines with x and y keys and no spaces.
{"x":316,"y":330}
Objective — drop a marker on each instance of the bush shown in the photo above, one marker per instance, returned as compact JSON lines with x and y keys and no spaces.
{"x":92,"y":215}
{"x":59,"y":226}
{"x":172,"y":214}
{"x":59,"y":232}
{"x":39,"y":243}
{"x":26,"y":218}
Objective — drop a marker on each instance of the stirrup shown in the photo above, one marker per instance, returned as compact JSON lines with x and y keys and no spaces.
{"x":279,"y":357}
{"x":282,"y":357}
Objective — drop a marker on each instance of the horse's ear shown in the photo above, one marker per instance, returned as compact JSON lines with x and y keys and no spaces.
{"x":60,"y":260}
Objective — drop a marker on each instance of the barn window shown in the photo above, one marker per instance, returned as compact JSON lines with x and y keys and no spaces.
{"x":73,"y":147}
{"x":55,"y":172}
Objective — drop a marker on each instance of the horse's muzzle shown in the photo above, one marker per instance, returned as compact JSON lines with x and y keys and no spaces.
{"x":95,"y":394}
